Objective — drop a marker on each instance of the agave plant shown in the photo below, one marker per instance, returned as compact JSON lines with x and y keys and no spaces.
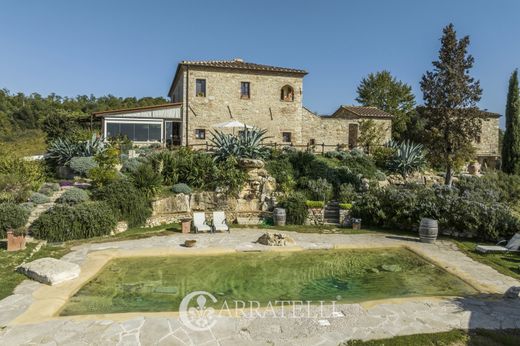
{"x":246,"y":145}
{"x":409,"y":158}
{"x":62,"y":150}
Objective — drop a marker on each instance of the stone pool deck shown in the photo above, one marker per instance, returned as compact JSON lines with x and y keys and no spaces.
{"x":29,"y":315}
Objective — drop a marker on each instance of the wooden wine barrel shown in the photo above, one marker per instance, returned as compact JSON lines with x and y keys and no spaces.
{"x":279,"y":217}
{"x":428,"y":230}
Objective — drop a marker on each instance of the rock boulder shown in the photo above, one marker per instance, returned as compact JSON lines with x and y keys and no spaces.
{"x":275,"y":239}
{"x":50,"y":271}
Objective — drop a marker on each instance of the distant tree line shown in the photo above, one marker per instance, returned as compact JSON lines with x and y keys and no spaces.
{"x":57,"y":115}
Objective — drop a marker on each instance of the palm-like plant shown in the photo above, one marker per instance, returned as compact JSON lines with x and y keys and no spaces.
{"x":409,"y":158}
{"x":245,"y":145}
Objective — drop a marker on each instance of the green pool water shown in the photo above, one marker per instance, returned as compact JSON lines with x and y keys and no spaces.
{"x":154,"y":284}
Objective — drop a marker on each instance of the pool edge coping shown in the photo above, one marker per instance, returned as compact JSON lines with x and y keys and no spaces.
{"x":48,"y":301}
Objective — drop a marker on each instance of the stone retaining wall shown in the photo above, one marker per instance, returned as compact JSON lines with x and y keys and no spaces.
{"x":252,"y":204}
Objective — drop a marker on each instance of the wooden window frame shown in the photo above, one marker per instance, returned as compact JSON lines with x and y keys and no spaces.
{"x":243,"y":96}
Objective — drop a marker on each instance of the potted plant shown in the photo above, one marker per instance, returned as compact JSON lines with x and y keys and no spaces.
{"x":16,"y":239}
{"x":356,"y":223}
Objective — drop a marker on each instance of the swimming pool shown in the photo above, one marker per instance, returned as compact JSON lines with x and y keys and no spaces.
{"x":156,"y":284}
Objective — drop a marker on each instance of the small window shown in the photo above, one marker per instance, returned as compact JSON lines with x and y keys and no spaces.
{"x":286,"y":137}
{"x":200,"y":134}
{"x":312,"y":141}
{"x":478,"y":139}
{"x":200,"y":87}
{"x":245,"y":90}
{"x":287,"y":93}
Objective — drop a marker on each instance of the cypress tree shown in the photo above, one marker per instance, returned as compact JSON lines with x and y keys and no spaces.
{"x":511,"y":142}
{"x":452,"y":119}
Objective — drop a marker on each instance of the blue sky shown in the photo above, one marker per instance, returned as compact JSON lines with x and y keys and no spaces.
{"x":131,"y":48}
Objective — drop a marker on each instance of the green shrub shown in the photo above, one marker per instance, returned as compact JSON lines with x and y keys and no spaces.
{"x":282,"y":171}
{"x":126,"y":201}
{"x":39,"y":198}
{"x":48,"y":189}
{"x":65,"y":222}
{"x":131,"y":165}
{"x":146,"y":179}
{"x":105,"y":172}
{"x":12,"y":216}
{"x":18,"y":177}
{"x":345,"y":206}
{"x":295,"y":207}
{"x":82,"y":165}
{"x":382,"y":156}
{"x":73,"y":195}
{"x":199,"y":170}
{"x":403,"y":208}
{"x":181,"y":188}
{"x":347,"y":193}
{"x":320,"y":189}
{"x":28,"y":206}
{"x":315,"y":204}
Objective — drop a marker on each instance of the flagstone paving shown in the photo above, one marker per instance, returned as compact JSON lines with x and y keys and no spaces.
{"x":328,"y":325}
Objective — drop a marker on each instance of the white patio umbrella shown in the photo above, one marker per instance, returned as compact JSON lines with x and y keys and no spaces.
{"x":232,"y":124}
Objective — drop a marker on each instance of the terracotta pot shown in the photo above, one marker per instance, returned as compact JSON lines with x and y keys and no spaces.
{"x":15,"y":242}
{"x":186,"y":225}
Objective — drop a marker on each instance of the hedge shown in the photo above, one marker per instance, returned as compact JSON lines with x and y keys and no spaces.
{"x":126,"y":201}
{"x":64,"y":222}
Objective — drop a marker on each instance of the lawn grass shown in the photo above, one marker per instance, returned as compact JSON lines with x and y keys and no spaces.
{"x":26,"y":143}
{"x":475,"y":337}
{"x":9,"y":278}
{"x":504,"y":263}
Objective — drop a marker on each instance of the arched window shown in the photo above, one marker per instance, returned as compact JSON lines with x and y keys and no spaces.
{"x":287,"y":93}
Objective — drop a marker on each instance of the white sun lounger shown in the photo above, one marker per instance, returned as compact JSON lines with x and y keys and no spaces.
{"x":511,"y":246}
{"x":199,"y":222}
{"x":219,"y":221}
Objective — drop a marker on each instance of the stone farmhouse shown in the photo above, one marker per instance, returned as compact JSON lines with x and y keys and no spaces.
{"x":207,"y":94}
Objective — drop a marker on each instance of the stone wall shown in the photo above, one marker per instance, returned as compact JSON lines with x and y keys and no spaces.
{"x":263,"y":109}
{"x":315,"y":216}
{"x":250,"y":206}
{"x":334,"y":130}
{"x":488,"y":150}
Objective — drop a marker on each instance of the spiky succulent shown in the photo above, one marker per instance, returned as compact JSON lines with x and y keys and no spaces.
{"x":246,"y":145}
{"x":408,"y":158}
{"x":62,"y":150}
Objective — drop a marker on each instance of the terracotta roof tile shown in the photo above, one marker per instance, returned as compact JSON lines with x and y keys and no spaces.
{"x":365,"y":112}
{"x":242,"y":65}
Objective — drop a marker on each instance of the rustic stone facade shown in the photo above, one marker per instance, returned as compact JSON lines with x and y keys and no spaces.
{"x":223,"y":102}
{"x":487,"y":147}
{"x":265,"y":107}
{"x":335,"y":129}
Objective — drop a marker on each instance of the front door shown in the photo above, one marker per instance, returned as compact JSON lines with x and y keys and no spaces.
{"x":172,"y":133}
{"x":352,"y":135}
